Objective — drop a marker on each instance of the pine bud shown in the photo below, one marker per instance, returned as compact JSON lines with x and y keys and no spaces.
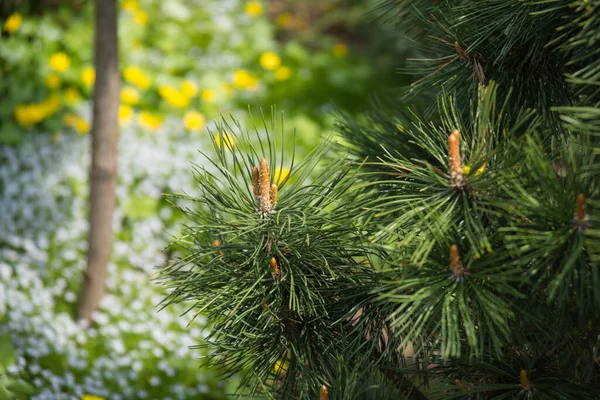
{"x":264,"y":203}
{"x":524,"y":380}
{"x":274,"y":268}
{"x":459,"y":273}
{"x":264,"y":304}
{"x":274,"y":193}
{"x":459,"y":50}
{"x":324,"y":393}
{"x":217,"y":243}
{"x":461,"y":385}
{"x":581,"y":218}
{"x":255,"y":188}
{"x":456,"y":173}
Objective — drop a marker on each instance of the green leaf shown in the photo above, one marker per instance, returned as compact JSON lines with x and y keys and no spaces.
{"x":7,"y":353}
{"x":10,"y":133}
{"x":19,"y":386}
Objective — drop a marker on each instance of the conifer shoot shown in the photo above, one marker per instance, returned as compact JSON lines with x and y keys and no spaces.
{"x":456,"y":172}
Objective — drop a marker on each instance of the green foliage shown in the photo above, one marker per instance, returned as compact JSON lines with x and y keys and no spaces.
{"x":10,"y":387}
{"x":282,"y":327}
{"x":527,"y":47}
{"x":477,"y":217}
{"x":428,"y":201}
{"x":547,"y":238}
{"x":182,"y":57}
{"x":523,"y":213}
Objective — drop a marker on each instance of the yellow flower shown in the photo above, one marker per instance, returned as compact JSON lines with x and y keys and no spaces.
{"x":340,"y":50}
{"x":125,"y":114}
{"x":281,"y":175}
{"x":280,"y":367}
{"x":13,"y":22}
{"x":91,"y":397}
{"x":140,"y":18}
{"x":225,"y":138}
{"x":136,"y":76}
{"x":270,"y":60}
{"x":208,"y":95}
{"x":130,"y":5}
{"x":253,"y":8}
{"x":283,"y":73}
{"x":53,"y":81}
{"x":189,"y":88}
{"x":244,"y":80}
{"x":88,"y":76}
{"x":150,"y":121}
{"x":60,"y":62}
{"x":28,"y":115}
{"x":130,"y":95}
{"x":76,"y":122}
{"x":166,"y":91}
{"x":71,"y":95}
{"x":284,"y":20}
{"x":174,"y":97}
{"x":194,"y":121}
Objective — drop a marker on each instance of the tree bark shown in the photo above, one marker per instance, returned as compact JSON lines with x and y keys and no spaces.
{"x":103,"y":172}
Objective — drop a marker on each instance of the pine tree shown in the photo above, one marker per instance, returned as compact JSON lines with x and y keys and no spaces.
{"x":452,"y":251}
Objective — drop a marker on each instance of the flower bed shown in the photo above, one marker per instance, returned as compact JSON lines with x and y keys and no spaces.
{"x":131,"y":351}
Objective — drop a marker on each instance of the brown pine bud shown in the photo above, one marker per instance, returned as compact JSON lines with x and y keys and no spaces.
{"x":274,"y":268}
{"x":454,"y":150}
{"x":524,"y":380}
{"x":217,"y":243}
{"x":459,"y":272}
{"x":459,"y":50}
{"x":324,"y":393}
{"x":580,"y":210}
{"x":456,"y":173}
{"x":255,"y":187}
{"x":264,"y":304}
{"x":461,"y":385}
{"x":274,"y":193}
{"x":264,"y":203}
{"x":581,"y":220}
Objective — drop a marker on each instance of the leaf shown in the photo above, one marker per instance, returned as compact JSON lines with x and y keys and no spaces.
{"x":10,"y":133}
{"x":19,"y":386}
{"x":7,"y":353}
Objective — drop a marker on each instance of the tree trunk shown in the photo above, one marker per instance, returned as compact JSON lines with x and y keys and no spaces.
{"x":103,"y":173}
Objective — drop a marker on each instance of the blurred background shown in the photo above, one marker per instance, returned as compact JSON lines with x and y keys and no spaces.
{"x":183,"y":64}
